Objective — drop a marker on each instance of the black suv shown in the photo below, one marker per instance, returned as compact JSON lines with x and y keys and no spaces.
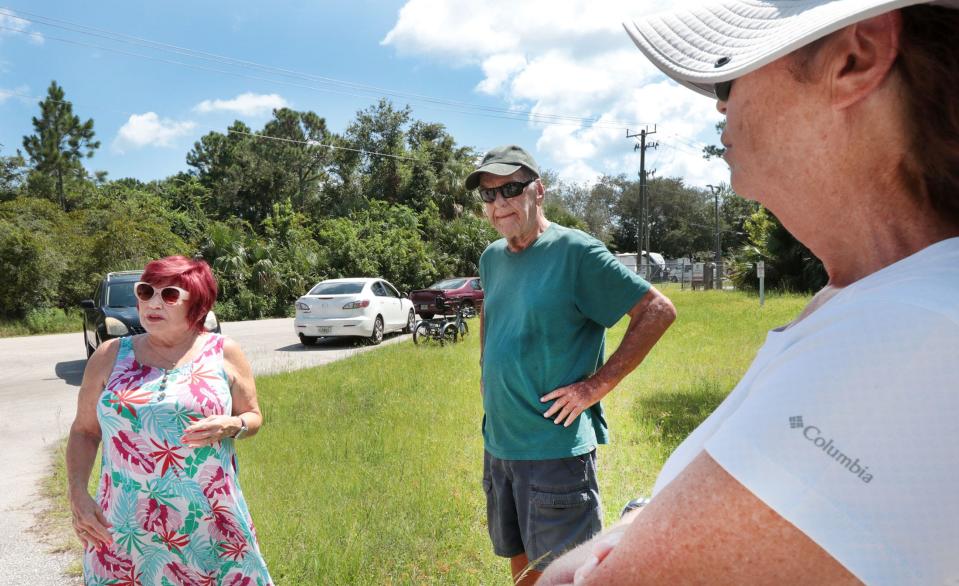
{"x":112,"y":312}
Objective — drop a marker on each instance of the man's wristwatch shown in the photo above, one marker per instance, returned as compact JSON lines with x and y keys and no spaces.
{"x":243,"y":428}
{"x":634,"y":504}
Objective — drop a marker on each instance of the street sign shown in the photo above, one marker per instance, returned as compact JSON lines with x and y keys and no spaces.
{"x":760,"y":269}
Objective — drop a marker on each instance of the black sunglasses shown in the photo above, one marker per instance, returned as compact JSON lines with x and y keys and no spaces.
{"x":722,"y":90}
{"x":511,"y":189}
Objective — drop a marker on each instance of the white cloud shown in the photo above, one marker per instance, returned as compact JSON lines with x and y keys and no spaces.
{"x":469,"y":31}
{"x":679,"y":116}
{"x":498,"y":69}
{"x":248,"y":104}
{"x":12,"y":25}
{"x":149,"y":129}
{"x":570,"y":59}
{"x":22,"y":92}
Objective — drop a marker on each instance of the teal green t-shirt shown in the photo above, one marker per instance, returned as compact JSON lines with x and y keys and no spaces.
{"x":545,"y":314}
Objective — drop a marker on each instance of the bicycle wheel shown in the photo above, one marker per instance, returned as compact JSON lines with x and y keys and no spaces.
{"x":464,"y":328}
{"x":421,"y":333}
{"x":450,"y":333}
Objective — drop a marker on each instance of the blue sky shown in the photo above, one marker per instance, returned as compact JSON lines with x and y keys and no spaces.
{"x":569,"y":60}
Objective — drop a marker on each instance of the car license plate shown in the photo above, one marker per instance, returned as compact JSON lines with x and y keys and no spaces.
{"x":424,"y":306}
{"x":324,"y":329}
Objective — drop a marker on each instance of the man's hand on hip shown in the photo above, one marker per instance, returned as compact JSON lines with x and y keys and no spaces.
{"x":648,"y":319}
{"x":571,"y":400}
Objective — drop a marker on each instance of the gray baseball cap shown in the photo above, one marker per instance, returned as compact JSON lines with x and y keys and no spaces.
{"x":503,"y":160}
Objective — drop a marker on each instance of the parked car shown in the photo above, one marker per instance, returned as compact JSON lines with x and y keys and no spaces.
{"x":366,"y":308}
{"x":467,"y":290}
{"x":112,"y":312}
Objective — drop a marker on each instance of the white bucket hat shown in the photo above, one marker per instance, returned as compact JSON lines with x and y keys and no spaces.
{"x":700,"y":46}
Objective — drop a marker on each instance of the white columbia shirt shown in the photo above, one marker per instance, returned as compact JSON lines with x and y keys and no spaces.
{"x":847,"y":423}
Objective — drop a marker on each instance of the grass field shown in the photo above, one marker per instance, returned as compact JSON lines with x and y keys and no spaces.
{"x":368,"y":470}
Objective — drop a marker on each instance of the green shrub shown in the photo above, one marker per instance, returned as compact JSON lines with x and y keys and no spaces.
{"x":45,"y":320}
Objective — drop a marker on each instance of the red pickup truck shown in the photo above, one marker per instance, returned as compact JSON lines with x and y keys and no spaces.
{"x":466,"y":290}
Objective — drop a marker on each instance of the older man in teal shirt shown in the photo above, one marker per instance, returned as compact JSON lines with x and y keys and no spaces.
{"x":550,"y":294}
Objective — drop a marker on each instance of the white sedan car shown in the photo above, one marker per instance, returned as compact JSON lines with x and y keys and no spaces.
{"x":366,"y":308}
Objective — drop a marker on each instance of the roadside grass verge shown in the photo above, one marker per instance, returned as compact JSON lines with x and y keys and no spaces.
{"x":42,"y":321}
{"x":368,"y":470}
{"x":54,"y":525}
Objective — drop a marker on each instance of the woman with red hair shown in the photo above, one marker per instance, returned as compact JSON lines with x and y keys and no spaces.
{"x":168,"y":406}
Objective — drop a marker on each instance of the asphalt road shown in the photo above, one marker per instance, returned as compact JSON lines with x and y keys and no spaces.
{"x":39,"y":380}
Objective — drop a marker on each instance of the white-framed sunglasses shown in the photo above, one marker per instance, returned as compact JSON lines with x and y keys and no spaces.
{"x":170,"y":295}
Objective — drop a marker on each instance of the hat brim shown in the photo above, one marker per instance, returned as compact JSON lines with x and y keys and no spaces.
{"x":703,"y":45}
{"x":472,"y":180}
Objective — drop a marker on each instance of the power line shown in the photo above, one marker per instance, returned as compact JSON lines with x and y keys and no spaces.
{"x":455,"y":106}
{"x":233,"y":73}
{"x":233,"y":61}
{"x":660,"y":161}
{"x":336,"y":147}
{"x":264,"y":136}
{"x":518,"y":116}
{"x":676,"y":148}
{"x":689,"y":142}
{"x":450,"y":105}
{"x":329,"y":146}
{"x":673,"y":148}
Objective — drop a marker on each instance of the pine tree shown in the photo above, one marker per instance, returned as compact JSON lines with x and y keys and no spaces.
{"x":60,"y":139}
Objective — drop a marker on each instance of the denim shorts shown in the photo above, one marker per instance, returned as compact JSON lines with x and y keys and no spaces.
{"x":541,"y":507}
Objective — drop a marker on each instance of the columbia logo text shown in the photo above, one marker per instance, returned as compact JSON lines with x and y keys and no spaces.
{"x":816,"y":437}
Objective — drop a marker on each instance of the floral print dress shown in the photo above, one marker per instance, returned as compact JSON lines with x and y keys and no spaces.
{"x":179,"y":517}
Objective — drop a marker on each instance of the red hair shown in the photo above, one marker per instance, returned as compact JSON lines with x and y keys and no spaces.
{"x":194,"y":276}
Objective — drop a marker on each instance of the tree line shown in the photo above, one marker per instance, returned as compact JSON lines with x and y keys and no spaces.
{"x":276,"y":209}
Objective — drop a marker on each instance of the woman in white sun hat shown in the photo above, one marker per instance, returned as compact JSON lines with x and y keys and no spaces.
{"x":836,"y":458}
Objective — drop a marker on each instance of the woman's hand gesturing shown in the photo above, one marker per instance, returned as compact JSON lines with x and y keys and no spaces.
{"x":210,"y":430}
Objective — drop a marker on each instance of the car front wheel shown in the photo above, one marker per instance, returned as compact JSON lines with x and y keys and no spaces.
{"x":377,"y":336}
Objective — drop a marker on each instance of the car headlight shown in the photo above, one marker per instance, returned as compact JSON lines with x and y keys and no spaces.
{"x":210,"y":323}
{"x":302,"y":306}
{"x":116,"y":327}
{"x":357,"y":304}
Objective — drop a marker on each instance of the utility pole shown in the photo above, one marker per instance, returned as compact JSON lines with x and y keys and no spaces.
{"x":642,"y":240}
{"x":719,"y":250}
